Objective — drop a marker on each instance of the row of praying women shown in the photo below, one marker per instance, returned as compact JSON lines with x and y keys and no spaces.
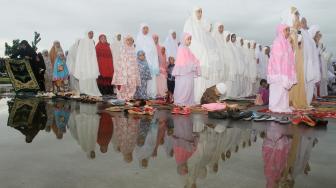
{"x":142,"y":68}
{"x":298,"y":65}
{"x":139,"y":69}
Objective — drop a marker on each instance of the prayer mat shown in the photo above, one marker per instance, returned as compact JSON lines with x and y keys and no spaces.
{"x":21,"y":75}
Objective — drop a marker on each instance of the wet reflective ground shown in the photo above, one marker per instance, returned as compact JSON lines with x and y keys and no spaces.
{"x":59,"y":143}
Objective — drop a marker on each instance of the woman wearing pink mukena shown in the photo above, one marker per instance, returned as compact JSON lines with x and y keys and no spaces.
{"x":281,"y":71}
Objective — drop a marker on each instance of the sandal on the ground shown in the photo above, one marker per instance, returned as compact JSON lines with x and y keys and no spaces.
{"x":283,"y":120}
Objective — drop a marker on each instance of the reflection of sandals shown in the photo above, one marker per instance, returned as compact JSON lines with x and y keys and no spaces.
{"x":185,"y":111}
{"x":115,"y":109}
{"x":149,"y":110}
{"x":175,"y":110}
{"x":136,"y":110}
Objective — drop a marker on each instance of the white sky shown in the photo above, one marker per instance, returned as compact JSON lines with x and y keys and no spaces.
{"x":67,"y":20}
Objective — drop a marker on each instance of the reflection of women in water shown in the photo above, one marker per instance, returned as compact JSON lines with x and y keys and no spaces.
{"x":184,"y":142}
{"x":168,"y":137}
{"x":144,"y":150}
{"x":105,"y":131}
{"x":198,"y":163}
{"x":62,"y":113}
{"x":275,"y":151}
{"x":162,"y":129}
{"x":126,"y":131}
{"x":87,"y":123}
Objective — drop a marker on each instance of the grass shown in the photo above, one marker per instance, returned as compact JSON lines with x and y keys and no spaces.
{"x":4,"y":80}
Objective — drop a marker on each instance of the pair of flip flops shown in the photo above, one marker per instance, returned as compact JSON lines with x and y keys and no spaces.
{"x":265,"y":117}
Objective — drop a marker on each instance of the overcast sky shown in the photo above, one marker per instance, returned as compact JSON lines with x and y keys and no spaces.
{"x":67,"y":20}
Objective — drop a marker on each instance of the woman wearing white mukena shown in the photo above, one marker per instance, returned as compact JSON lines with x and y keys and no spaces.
{"x":222,"y":67}
{"x":145,"y":42}
{"x":205,"y":49}
{"x":86,"y":66}
{"x":171,"y":44}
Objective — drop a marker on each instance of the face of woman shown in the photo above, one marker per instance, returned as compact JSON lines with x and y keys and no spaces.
{"x":304,"y":23}
{"x":248,"y":45}
{"x":233,"y":38}
{"x":102,"y":39}
{"x":163,"y":50}
{"x":242,"y":42}
{"x":90,"y":35}
{"x":174,"y":35}
{"x":118,"y":37}
{"x":228,"y":38}
{"x":129,"y":41}
{"x":142,"y":57}
{"x":199,"y":14}
{"x":156,"y":39}
{"x":57,"y":44}
{"x":145,"y":30}
{"x":254,"y":45}
{"x":297,"y":16}
{"x":45,"y":53}
{"x":286,"y":32}
{"x":188,"y":41}
{"x":221,"y":29}
{"x":317,"y":37}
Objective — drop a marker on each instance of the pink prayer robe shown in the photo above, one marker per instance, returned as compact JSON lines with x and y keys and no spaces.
{"x":281,"y":72}
{"x":187,"y":67}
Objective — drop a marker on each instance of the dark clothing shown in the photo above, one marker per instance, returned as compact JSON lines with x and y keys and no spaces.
{"x":210,"y":96}
{"x":169,"y":72}
{"x":171,"y":86}
{"x":104,"y":85}
{"x":170,"y":78}
{"x":36,"y":62}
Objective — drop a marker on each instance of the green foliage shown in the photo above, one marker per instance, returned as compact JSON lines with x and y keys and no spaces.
{"x":12,"y":49}
{"x":36,"y":40}
{"x":9,"y":50}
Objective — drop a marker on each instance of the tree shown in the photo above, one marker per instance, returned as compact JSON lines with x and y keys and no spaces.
{"x":36,"y":40}
{"x":10,"y":50}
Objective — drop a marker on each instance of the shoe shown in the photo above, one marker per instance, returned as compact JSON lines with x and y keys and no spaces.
{"x":241,"y":115}
{"x":252,"y":117}
{"x":303,"y":119}
{"x":283,"y":120}
{"x":185,"y":111}
{"x":246,"y":115}
{"x":296,"y":120}
{"x":308,"y":121}
{"x":319,"y":121}
{"x":265,"y":117}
